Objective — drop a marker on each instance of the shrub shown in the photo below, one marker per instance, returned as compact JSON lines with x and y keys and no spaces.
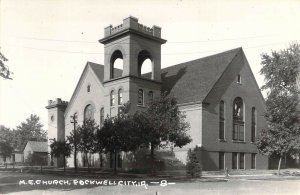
{"x":193,"y":166}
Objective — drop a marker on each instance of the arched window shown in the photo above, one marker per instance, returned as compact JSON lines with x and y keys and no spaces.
{"x":253,"y":124}
{"x":88,"y":112}
{"x":88,"y":88}
{"x":140,"y":97}
{"x":238,"y":120}
{"x":101,"y":116}
{"x":239,"y":78}
{"x":221,"y":121}
{"x":120,"y":96}
{"x":150,"y":96}
{"x":112,"y":98}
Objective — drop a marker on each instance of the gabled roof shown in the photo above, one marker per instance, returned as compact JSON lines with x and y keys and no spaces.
{"x":192,"y":81}
{"x":98,"y":70}
{"x":38,"y":146}
{"x":187,"y":82}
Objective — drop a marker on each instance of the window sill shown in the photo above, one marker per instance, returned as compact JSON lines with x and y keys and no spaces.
{"x":237,"y":141}
{"x":222,"y":140}
{"x":142,"y":106}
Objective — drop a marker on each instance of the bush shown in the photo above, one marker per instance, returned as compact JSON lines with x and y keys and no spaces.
{"x":193,"y":165}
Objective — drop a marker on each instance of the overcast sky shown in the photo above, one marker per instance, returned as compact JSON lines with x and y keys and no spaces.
{"x":49,"y":42}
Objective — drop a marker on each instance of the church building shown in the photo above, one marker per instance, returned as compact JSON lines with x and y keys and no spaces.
{"x":218,"y":94}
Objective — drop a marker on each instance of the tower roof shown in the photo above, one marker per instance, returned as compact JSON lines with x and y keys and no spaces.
{"x":131,"y":25}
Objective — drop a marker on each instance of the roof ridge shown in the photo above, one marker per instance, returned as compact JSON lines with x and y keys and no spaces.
{"x":202,"y":58}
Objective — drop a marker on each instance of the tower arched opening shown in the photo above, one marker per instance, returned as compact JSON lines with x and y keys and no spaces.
{"x":116,"y":63}
{"x":145,"y":65}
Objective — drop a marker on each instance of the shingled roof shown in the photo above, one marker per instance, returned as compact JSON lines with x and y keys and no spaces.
{"x":38,"y":146}
{"x":190,"y":81}
{"x":99,"y":71}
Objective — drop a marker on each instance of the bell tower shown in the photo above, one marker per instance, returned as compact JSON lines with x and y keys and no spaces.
{"x":133,"y":43}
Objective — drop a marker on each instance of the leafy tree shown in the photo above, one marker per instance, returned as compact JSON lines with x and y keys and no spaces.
{"x":281,"y":71}
{"x":6,"y":134}
{"x":193,"y":165}
{"x":118,"y":134}
{"x":31,"y":130}
{"x":74,"y":140}
{"x":61,"y":148}
{"x":6,"y":142}
{"x":162,"y":123}
{"x":87,"y":141}
{"x":6,"y":150}
{"x":4,"y":70}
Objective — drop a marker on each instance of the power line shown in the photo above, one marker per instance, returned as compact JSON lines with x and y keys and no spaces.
{"x":172,"y":42}
{"x":216,"y":40}
{"x":58,"y":40}
{"x":181,"y":53}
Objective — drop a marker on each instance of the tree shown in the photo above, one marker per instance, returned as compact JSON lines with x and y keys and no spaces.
{"x":281,"y":71}
{"x":162,"y":123}
{"x":87,"y":141}
{"x":193,"y":165}
{"x":4,"y":70}
{"x":6,"y":150}
{"x":6,"y":142}
{"x":61,"y":148}
{"x":6,"y":134}
{"x":31,"y":130}
{"x":118,"y":134}
{"x":74,"y":140}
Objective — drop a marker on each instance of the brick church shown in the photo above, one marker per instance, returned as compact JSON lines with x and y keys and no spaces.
{"x":218,"y":94}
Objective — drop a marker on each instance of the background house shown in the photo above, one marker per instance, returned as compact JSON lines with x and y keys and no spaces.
{"x":36,"y":153}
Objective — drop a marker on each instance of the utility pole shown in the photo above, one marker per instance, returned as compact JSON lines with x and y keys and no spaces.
{"x":74,"y":121}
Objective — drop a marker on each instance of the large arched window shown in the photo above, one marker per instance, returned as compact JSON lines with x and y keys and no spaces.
{"x":120,"y":97}
{"x":140,"y":97}
{"x":221,"y":121}
{"x":238,"y":120}
{"x":88,"y":112}
{"x":253,"y":124}
{"x":101,"y":116}
{"x":112,"y":98}
{"x":116,"y":63}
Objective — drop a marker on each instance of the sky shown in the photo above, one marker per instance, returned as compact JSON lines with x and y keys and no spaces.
{"x":48,"y":42}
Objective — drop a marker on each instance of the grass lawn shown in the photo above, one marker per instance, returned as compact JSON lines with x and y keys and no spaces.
{"x":9,"y":183}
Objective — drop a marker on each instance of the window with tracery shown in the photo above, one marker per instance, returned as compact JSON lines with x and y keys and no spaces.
{"x":238,"y":119}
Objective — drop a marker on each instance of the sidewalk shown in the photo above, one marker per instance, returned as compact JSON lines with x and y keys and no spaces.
{"x":100,"y":173}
